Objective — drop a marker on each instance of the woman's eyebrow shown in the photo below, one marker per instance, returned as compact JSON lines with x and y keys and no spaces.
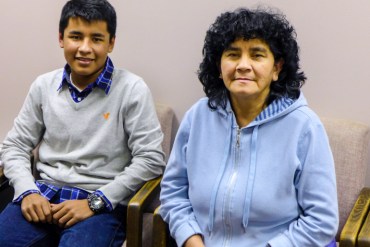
{"x":232,"y":48}
{"x":258,"y":49}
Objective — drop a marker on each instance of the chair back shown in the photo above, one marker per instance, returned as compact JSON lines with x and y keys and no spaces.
{"x":166,"y":118}
{"x":349,"y":142}
{"x":140,"y":232}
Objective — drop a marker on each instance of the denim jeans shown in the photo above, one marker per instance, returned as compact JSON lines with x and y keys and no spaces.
{"x":104,"y":229}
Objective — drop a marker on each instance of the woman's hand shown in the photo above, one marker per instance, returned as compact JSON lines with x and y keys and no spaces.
{"x":194,"y":241}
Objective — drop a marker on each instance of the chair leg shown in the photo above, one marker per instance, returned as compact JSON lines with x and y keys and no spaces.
{"x":159,"y":230}
{"x":161,"y":233}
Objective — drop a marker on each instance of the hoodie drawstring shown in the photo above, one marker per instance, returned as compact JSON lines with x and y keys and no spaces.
{"x":251,"y":177}
{"x":216,"y":186}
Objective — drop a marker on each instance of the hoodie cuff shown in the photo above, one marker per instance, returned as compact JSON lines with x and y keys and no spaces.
{"x":280,"y":240}
{"x":186,"y":231}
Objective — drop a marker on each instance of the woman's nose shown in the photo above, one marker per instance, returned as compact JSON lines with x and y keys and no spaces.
{"x":244,"y":63}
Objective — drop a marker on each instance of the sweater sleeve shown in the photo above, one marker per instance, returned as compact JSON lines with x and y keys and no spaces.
{"x":144,"y":141}
{"x":21,"y":140}
{"x":316,"y":191}
{"x":176,"y":208}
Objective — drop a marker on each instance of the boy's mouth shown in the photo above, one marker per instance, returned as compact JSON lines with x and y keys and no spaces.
{"x":83,"y":60}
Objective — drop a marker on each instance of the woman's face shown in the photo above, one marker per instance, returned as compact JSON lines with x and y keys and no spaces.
{"x":248,"y":68}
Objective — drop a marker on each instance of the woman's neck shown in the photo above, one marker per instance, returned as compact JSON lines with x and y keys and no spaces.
{"x":246,"y":111}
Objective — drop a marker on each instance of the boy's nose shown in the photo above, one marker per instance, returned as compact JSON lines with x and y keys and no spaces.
{"x":85,"y":46}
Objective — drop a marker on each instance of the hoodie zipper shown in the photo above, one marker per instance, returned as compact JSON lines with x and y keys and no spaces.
{"x":231,"y":185}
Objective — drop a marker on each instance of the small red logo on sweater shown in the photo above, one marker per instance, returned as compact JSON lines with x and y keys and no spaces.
{"x":106,"y":115}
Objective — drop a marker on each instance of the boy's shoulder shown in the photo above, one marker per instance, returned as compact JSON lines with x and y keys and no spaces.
{"x":57,"y":73}
{"x":125,"y":75}
{"x":54,"y":76}
{"x":127,"y":81}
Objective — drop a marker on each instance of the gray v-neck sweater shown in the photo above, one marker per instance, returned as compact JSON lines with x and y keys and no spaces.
{"x":107,"y":142}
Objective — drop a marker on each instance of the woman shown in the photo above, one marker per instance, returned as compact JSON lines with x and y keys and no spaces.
{"x":251,"y":164}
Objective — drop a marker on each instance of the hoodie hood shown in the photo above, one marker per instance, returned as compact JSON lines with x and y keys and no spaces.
{"x":278,"y":108}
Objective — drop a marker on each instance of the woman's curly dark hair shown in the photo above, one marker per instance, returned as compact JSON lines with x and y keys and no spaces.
{"x":265,"y":24}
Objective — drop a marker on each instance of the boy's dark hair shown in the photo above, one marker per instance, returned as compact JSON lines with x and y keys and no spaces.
{"x":247,"y":24}
{"x":89,"y":10}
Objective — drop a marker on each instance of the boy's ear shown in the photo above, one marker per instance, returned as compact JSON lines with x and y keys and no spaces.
{"x":61,"y":42}
{"x":111,"y":44}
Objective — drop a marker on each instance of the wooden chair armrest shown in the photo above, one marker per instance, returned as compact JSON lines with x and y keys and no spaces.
{"x":356,"y":219}
{"x":136,"y":208}
{"x":363,"y":239}
{"x":159,"y":230}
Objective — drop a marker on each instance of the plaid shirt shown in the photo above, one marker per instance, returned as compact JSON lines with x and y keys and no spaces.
{"x":104,"y":82}
{"x":60,"y":194}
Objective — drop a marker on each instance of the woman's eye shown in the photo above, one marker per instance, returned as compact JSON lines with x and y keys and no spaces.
{"x":258,"y":55}
{"x":232,"y":55}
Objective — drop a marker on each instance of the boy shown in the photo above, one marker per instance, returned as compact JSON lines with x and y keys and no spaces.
{"x":99,"y":140}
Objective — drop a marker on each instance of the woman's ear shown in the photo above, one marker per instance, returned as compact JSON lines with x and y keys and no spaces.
{"x":277,"y":69}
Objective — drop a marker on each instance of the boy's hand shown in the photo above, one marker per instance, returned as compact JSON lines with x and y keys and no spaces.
{"x":36,"y":208}
{"x":70,"y":212}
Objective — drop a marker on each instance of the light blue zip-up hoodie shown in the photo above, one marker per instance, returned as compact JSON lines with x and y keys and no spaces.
{"x":271,"y":182}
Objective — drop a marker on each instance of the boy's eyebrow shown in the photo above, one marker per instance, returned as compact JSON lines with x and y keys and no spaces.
{"x":74,"y":32}
{"x":98,"y":35}
{"x":80,"y":33}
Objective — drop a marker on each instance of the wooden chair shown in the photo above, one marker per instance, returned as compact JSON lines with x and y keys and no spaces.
{"x":142,"y":205}
{"x":349,"y":142}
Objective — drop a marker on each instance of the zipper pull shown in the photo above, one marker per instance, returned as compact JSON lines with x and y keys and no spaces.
{"x":238,"y":138}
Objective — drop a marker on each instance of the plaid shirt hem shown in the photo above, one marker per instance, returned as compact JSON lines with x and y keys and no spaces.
{"x":64,"y":193}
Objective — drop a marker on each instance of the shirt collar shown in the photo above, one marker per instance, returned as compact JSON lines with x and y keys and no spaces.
{"x":104,"y":80}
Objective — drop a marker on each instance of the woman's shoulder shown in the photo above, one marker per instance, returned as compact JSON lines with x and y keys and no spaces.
{"x":199,"y":107}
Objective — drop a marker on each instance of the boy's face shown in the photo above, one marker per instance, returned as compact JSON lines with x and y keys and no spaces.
{"x":86,"y":46}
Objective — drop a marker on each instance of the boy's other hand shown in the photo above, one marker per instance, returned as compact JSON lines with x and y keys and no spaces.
{"x":36,"y":208}
{"x":70,"y":212}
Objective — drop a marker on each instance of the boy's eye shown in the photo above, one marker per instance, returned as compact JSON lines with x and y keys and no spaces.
{"x":74,"y":37}
{"x":97,"y":39}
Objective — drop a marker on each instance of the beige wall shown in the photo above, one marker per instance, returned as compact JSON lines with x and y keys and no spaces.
{"x":161,"y":40}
